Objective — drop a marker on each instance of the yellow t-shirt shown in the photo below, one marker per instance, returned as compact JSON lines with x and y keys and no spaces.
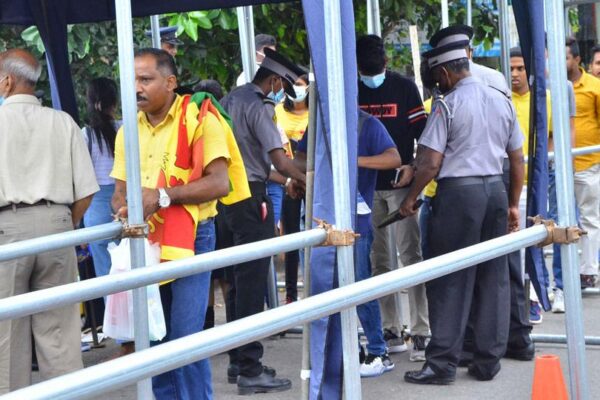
{"x":293,"y":125}
{"x":523,"y":110}
{"x":431,"y":187}
{"x":154,"y":142}
{"x":587,"y":119}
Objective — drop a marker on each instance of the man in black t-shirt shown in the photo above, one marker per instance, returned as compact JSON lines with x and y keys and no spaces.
{"x":396,"y":102}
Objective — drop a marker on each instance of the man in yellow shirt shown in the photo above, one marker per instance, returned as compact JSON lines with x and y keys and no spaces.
{"x":587,"y":167}
{"x":184,"y":162}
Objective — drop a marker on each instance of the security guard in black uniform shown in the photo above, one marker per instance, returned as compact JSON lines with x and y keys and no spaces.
{"x":251,"y":108}
{"x":463,"y":146}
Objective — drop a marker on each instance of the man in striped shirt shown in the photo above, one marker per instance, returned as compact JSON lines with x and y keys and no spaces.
{"x":396,"y":102}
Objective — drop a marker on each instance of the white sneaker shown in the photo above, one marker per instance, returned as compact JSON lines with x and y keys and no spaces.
{"x":394,"y":343}
{"x":558,"y":305}
{"x":376,"y":365}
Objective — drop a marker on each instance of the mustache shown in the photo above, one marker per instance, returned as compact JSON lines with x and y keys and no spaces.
{"x":141,"y":98}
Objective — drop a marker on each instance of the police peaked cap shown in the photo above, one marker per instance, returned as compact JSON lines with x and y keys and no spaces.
{"x":280,"y":65}
{"x":168,"y":34}
{"x":448,"y":44}
{"x":453,"y":34}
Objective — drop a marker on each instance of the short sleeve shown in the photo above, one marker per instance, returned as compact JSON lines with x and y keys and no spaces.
{"x":515,"y":139}
{"x":119,"y":172}
{"x":84,"y":177}
{"x":262,"y":123}
{"x":379,"y":140}
{"x":435,"y":135}
{"x":214,"y":140}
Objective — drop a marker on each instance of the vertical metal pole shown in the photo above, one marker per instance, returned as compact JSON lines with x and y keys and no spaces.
{"x":504,"y":40}
{"x":339,"y":150}
{"x":445,"y":17}
{"x":272,"y":298}
{"x":155,"y":28}
{"x":373,"y":18}
{"x":246,"y":30}
{"x":578,"y":381}
{"x":308,"y":213}
{"x":134,"y":191}
{"x":469,"y":13}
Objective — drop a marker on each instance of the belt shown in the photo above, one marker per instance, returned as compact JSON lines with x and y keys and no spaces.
{"x":14,"y":206}
{"x":468,"y":180}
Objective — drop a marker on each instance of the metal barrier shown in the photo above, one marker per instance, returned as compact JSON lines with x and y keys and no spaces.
{"x":124,"y":371}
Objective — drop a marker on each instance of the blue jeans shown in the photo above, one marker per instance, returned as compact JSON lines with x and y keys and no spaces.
{"x":368,"y":313}
{"x":275,"y":192}
{"x":98,"y":213}
{"x":184,"y":303}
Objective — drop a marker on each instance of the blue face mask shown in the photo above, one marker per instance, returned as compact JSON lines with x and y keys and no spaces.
{"x":374,"y":81}
{"x":276,"y":97}
{"x":1,"y":100}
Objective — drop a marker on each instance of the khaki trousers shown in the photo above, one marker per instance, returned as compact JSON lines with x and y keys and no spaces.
{"x":57,"y":332}
{"x":405,"y":237}
{"x":587,"y":195}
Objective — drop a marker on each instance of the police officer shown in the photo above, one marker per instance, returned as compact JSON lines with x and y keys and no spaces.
{"x":251,"y":108}
{"x":463,"y":146}
{"x":168,"y":39}
{"x":520,"y":345}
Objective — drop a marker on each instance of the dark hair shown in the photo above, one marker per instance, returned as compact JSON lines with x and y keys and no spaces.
{"x":263,"y":74}
{"x":164,"y":61}
{"x":516,"y":52}
{"x":370,"y":54}
{"x":288,"y":105}
{"x":211,"y":86}
{"x":593,"y":51}
{"x":101,"y":103}
{"x":262,"y":40}
{"x":572,"y":44}
{"x":456,"y":66}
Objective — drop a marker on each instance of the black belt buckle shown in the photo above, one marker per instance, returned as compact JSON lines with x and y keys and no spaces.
{"x":396,"y":216}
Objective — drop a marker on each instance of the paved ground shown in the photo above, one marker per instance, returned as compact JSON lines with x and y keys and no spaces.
{"x":514,"y":380}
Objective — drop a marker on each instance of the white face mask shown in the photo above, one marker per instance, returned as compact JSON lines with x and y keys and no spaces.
{"x":301,"y":93}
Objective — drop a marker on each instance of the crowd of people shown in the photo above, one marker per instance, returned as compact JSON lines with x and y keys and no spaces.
{"x":224,"y":170}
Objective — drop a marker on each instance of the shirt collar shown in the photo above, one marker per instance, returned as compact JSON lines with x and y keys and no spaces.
{"x":583,"y":79}
{"x":517,"y":95}
{"x":467,"y":81}
{"x":142,"y":118}
{"x":22,"y":98}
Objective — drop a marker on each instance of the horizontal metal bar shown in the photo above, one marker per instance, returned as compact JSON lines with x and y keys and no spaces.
{"x":38,"y":245}
{"x":591,"y":290}
{"x":41,"y":300}
{"x":281,"y":285}
{"x":123,"y":371}
{"x":562,"y":339}
{"x":575,"y":152}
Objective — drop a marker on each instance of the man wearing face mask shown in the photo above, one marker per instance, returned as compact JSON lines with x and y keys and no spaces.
{"x":261,"y":41}
{"x":463,"y":147}
{"x":396,"y":102}
{"x":251,"y":108}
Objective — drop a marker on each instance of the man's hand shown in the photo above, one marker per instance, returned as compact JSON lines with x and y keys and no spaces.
{"x":295,"y":189}
{"x":406,"y":174}
{"x":407,"y":207}
{"x":150,"y":202}
{"x":513,"y":219}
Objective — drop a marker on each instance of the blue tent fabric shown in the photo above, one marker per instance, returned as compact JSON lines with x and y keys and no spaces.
{"x":529,"y":15}
{"x":326,"y":347}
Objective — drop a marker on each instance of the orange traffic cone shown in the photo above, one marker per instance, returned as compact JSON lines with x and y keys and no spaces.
{"x":548,"y":382}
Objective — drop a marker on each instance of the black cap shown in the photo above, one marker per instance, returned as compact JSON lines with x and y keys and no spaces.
{"x":453,"y":34}
{"x":168,"y":34}
{"x":261,"y":40}
{"x":280,"y":65}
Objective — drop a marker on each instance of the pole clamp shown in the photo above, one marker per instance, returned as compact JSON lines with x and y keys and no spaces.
{"x":558,"y":234}
{"x":133,"y":231}
{"x":336,"y":237}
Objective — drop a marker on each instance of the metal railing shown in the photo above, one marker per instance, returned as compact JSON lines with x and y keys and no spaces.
{"x":115,"y":374}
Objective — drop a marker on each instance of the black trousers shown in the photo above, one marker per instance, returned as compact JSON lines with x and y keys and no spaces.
{"x":242,"y":223}
{"x":290,"y":221}
{"x":464,"y":215}
{"x":519,"y":328}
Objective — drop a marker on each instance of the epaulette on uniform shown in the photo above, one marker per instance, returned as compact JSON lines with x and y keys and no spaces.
{"x":267,"y":100}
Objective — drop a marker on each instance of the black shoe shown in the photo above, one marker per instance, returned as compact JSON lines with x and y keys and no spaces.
{"x":464,"y":362}
{"x":262,"y":383}
{"x":484,"y":374}
{"x":233,"y":371}
{"x":522,"y":354}
{"x":426,"y":376}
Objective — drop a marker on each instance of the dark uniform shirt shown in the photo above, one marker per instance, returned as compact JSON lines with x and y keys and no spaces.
{"x":398,"y":105}
{"x":253,"y":116}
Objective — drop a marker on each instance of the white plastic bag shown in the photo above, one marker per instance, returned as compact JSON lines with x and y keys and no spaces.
{"x":118,"y":314}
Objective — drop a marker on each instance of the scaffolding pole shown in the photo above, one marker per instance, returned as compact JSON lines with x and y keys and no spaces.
{"x":373,"y":18}
{"x":246,"y":30}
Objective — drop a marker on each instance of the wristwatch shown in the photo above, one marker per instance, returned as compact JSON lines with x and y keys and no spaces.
{"x":164,"y":200}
